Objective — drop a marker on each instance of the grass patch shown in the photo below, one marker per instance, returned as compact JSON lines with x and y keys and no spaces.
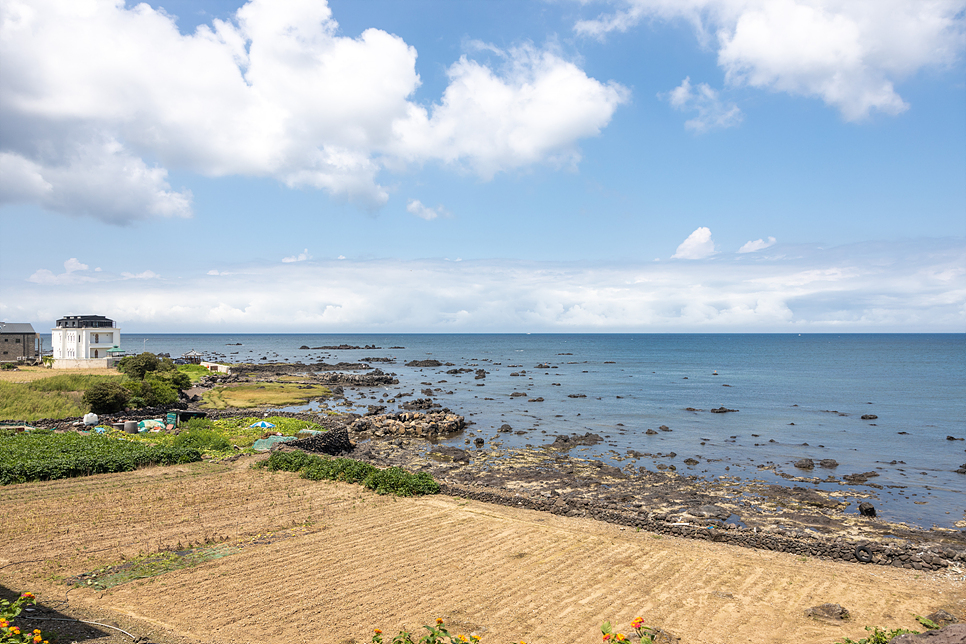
{"x":220,"y":437}
{"x":195,"y":371}
{"x":57,"y":396}
{"x":269,"y":394}
{"x":44,"y":456}
{"x":392,"y":480}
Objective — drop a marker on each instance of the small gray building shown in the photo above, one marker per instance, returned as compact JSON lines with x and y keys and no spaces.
{"x":18,"y":342}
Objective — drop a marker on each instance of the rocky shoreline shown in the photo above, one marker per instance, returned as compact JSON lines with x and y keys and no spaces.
{"x":747,"y":512}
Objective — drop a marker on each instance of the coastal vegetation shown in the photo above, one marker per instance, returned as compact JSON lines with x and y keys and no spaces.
{"x":59,"y":396}
{"x":392,"y":480}
{"x":145,"y":381}
{"x":43,"y":455}
{"x":250,"y":395}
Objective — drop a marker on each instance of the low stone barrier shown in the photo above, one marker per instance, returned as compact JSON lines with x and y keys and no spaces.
{"x":921,"y":557}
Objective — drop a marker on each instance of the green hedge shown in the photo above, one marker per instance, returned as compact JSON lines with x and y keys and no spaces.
{"x":46,"y":456}
{"x":393,"y":480}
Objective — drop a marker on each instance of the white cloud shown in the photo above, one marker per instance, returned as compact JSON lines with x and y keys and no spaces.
{"x":301,"y":257}
{"x":698,"y":245}
{"x":143,"y":275}
{"x":758,"y":244}
{"x":712,"y":111}
{"x":99,"y":99}
{"x":911,"y":286}
{"x":534,"y":111}
{"x":416,"y":207}
{"x":849,"y":53}
{"x":70,"y":275}
{"x":72,"y":265}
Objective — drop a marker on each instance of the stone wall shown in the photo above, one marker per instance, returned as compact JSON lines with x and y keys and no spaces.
{"x":913,"y":557}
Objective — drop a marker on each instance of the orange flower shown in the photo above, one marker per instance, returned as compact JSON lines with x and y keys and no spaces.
{"x":15,"y":630}
{"x":4,"y":623}
{"x":606,"y":637}
{"x":377,"y":631}
{"x":38,"y":639}
{"x":637,"y":623}
{"x":28,"y":596}
{"x":439,"y":620}
{"x":621,"y":638}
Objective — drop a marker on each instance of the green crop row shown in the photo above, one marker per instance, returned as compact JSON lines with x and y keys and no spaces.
{"x":392,"y":480}
{"x":41,"y":456}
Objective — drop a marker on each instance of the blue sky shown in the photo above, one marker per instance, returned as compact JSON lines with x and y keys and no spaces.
{"x":625,"y":165}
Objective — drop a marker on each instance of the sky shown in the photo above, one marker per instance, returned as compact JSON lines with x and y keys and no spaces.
{"x":484,"y":166}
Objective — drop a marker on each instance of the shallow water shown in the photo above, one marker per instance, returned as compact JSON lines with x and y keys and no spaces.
{"x":798,"y":396}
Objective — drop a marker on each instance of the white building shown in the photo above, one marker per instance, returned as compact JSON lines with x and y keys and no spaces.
{"x":82,"y":341}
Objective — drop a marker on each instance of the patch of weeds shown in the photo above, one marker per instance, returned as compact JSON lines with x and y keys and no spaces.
{"x":392,"y":480}
{"x":151,"y":565}
{"x":878,"y":636}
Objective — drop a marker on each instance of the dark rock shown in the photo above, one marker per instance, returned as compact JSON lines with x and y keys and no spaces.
{"x":375,"y":410}
{"x":866,"y":509}
{"x":953,"y":438}
{"x":505,"y":428}
{"x":664,"y":428}
{"x":828,"y":611}
{"x":942,"y":618}
{"x":424,"y":363}
{"x":828,"y":463}
{"x":962,"y":469}
{"x":650,"y":432}
{"x":333,"y":442}
{"x":538,"y":399}
{"x":455,"y":453}
{"x":952,"y":634}
{"x":576,"y":395}
{"x":869,"y":416}
{"x":517,"y":394}
{"x":565,"y":442}
{"x":303,"y":347}
{"x":478,"y":442}
{"x":857,"y":479}
{"x":690,"y":461}
{"x":421,"y":403}
{"x":710,"y":512}
{"x":542,"y":366}
{"x":805,"y":464}
{"x":722,"y":410}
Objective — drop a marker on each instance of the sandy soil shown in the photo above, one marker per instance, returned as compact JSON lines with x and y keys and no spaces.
{"x":29,"y":374}
{"x":351,"y":561}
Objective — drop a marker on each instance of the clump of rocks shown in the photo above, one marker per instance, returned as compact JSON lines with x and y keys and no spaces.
{"x":431,"y":425}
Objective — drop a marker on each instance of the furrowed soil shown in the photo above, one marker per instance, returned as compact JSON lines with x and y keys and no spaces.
{"x":328,"y":562}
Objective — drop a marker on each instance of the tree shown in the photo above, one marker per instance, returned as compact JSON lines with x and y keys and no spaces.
{"x":137,"y":366}
{"x":106,"y":397}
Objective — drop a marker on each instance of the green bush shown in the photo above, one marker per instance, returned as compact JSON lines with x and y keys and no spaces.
{"x":393,"y":480}
{"x":33,"y":456}
{"x":106,"y":397}
{"x":202,"y":439}
{"x":138,"y":366}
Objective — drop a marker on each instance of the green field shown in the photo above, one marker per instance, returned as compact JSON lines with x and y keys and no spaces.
{"x":43,"y":456}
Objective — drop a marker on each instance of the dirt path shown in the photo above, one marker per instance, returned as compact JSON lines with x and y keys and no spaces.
{"x":351,"y":561}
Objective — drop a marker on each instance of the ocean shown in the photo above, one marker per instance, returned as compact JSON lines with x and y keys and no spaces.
{"x":796,"y":396}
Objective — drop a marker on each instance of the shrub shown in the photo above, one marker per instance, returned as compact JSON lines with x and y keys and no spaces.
{"x":106,"y":397}
{"x":393,"y":480}
{"x":202,"y":439}
{"x":138,"y":366}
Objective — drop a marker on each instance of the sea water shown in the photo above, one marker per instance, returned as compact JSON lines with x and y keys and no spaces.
{"x":797,"y":396}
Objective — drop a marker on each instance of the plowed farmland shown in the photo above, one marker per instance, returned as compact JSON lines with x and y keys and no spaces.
{"x":328,"y":562}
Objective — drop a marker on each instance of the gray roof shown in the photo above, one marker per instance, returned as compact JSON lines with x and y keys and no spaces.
{"x":16,"y":327}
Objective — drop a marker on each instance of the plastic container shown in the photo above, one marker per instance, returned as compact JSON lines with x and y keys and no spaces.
{"x":131,"y":426}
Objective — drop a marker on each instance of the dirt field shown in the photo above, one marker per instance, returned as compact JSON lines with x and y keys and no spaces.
{"x":349,"y":560}
{"x":29,"y":374}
